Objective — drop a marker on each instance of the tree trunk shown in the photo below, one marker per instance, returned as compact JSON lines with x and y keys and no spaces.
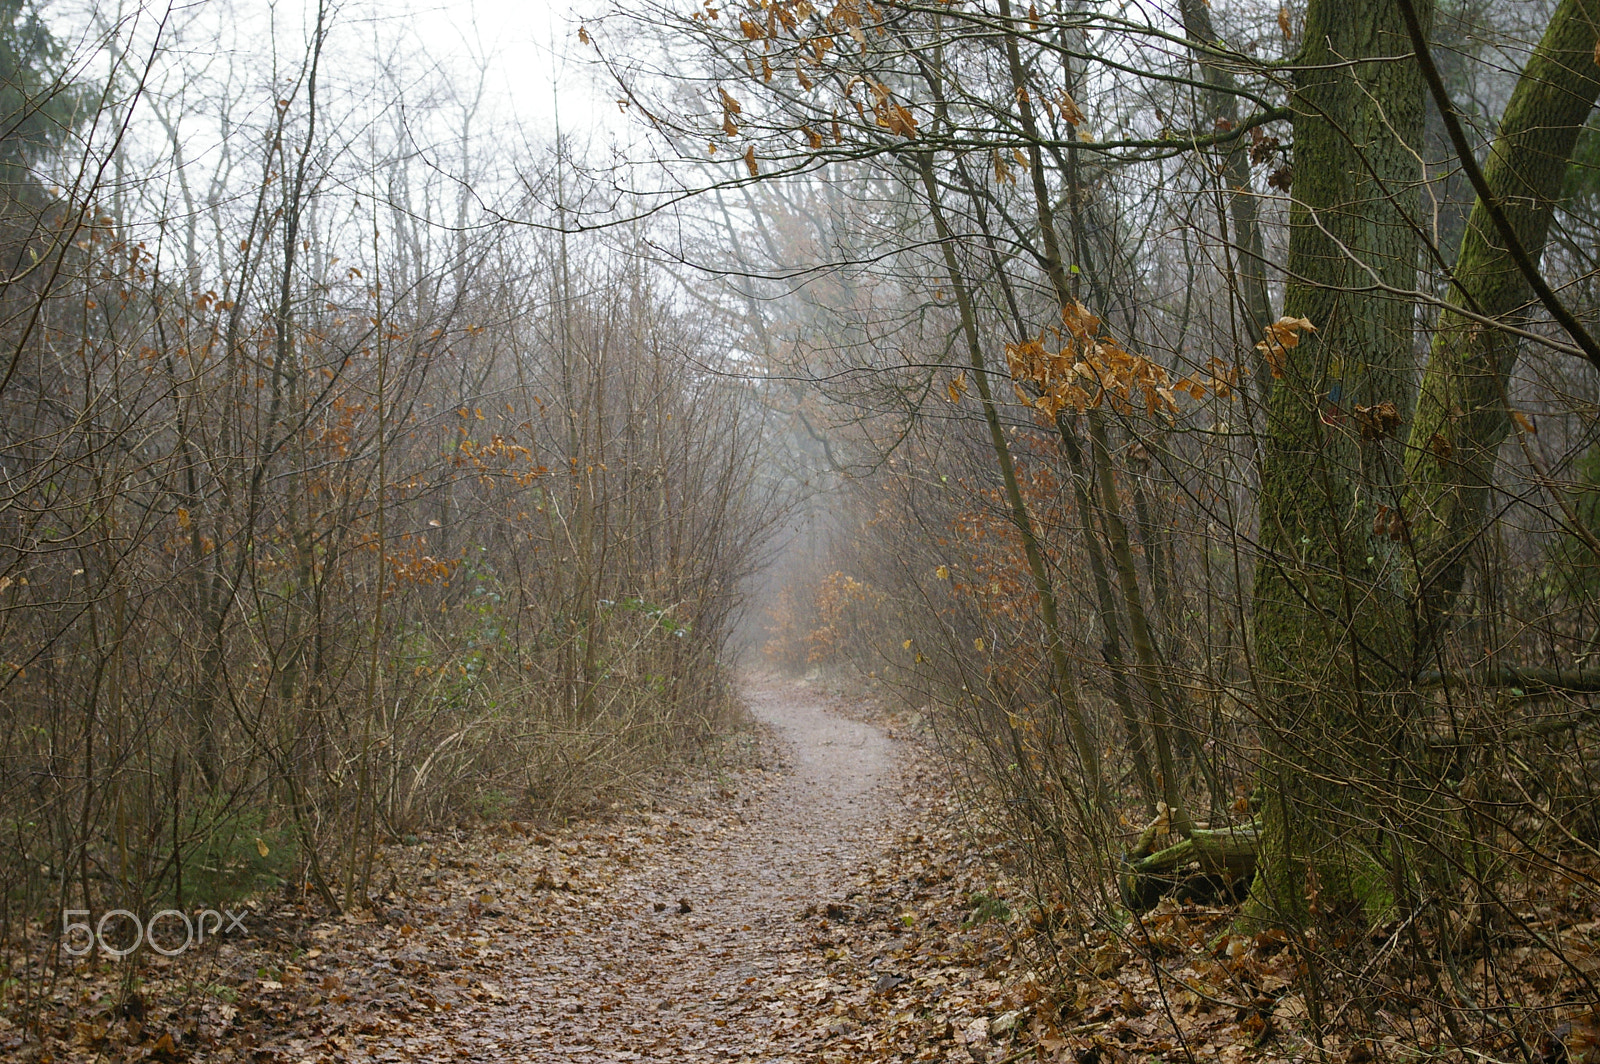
{"x":1245,"y":248}
{"x":1461,"y":409}
{"x":1332,"y":635}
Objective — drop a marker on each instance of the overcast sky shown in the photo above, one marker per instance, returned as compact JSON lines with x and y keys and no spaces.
{"x":534,"y":58}
{"x":527,"y":50}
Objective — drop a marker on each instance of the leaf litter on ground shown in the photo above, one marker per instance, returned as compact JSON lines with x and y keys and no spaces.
{"x":823,"y":896}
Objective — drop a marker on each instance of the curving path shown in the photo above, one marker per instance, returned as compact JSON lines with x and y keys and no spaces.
{"x":683,"y":934}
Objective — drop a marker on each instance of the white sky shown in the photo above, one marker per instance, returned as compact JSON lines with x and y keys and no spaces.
{"x":527,"y":50}
{"x":532,"y":53}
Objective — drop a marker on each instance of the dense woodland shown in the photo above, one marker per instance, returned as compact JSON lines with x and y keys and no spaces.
{"x":331,"y":511}
{"x":1191,"y":407}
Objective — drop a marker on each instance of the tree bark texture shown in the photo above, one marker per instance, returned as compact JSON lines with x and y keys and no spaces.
{"x":1332,"y":635}
{"x":1462,"y":417}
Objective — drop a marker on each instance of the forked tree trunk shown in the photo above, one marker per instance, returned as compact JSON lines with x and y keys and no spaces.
{"x":1245,"y":248}
{"x":1102,"y":486}
{"x":1063,"y":677}
{"x":1461,"y":408}
{"x":1348,"y":607}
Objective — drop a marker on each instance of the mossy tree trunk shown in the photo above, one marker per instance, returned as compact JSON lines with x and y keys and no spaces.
{"x":1461,"y":407}
{"x":1350,"y":599}
{"x":1332,"y":633}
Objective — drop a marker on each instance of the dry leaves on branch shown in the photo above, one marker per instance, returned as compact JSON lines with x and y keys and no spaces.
{"x":1282,"y":337}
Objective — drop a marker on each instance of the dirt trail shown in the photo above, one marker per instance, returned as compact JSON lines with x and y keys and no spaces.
{"x":825,"y":901}
{"x":616,"y":970}
{"x":811,"y":903}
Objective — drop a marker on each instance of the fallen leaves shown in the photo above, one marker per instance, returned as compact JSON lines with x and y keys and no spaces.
{"x":768,"y":910}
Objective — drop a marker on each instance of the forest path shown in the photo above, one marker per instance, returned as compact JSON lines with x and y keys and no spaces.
{"x":609,"y":967}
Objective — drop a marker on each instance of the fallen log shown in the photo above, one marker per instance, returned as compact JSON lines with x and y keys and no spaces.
{"x":1210,"y":862}
{"x":1534,"y":679}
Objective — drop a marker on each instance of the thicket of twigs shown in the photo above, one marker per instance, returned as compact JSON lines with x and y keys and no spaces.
{"x":1204,"y":453}
{"x":329,"y":510}
{"x":1199,"y":406}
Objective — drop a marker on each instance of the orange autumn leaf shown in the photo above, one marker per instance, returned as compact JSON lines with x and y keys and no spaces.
{"x":1089,"y":370}
{"x":1282,"y":336}
{"x":1069,"y":110}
